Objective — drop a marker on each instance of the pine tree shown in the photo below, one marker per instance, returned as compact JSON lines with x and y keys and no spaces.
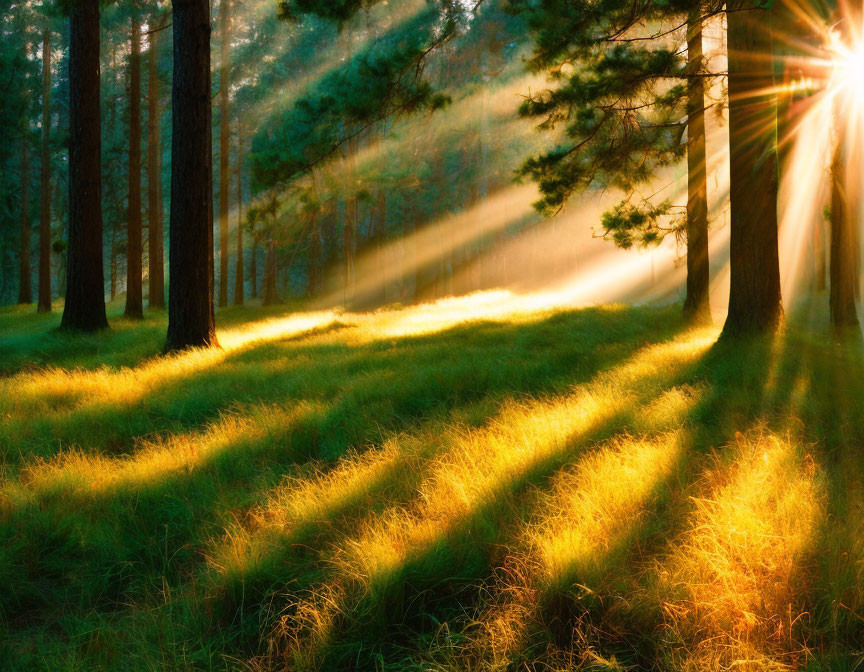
{"x":25,"y":294}
{"x":238,"y":269}
{"x":44,"y":305}
{"x":134,"y":294}
{"x":190,"y":292}
{"x":84,"y":308}
{"x":156,"y":275}
{"x":754,"y":296}
{"x":697,"y":309}
{"x":224,"y":150}
{"x":623,"y":122}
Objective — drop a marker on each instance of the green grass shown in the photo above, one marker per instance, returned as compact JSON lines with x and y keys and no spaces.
{"x":452,"y":487}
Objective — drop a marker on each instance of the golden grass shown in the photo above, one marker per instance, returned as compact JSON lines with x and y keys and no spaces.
{"x":480,"y":470}
{"x":733,"y":587}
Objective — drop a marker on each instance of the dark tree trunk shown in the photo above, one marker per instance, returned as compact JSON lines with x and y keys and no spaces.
{"x":25,"y":293}
{"x":238,"y":270}
{"x":84,"y":309}
{"x":271,"y":297}
{"x":156,"y":276}
{"x":253,"y":268}
{"x":190,"y":292}
{"x":843,"y":247}
{"x":754,"y":297}
{"x":696,"y":306}
{"x":134,"y":298}
{"x":224,"y":151}
{"x":44,"y":305}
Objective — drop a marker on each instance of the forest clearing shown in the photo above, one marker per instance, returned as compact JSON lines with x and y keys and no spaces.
{"x":596,"y":488}
{"x":431,"y":335}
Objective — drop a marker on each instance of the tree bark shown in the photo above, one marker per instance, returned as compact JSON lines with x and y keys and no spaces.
{"x":697,"y":309}
{"x":238,"y":269}
{"x":134,"y":293}
{"x":25,"y":292}
{"x":754,"y":298}
{"x":44,"y":305}
{"x":224,"y":153}
{"x":156,"y":276}
{"x":843,"y":248}
{"x":190,"y":292}
{"x":84,"y":309}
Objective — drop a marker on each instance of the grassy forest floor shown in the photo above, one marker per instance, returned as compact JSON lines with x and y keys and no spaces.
{"x":414,"y":489}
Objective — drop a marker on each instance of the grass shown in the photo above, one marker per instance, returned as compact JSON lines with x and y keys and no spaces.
{"x":476,"y":484}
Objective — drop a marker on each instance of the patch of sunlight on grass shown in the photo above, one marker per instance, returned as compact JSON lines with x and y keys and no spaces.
{"x":482,"y":469}
{"x":587,"y":517}
{"x":59,"y":390}
{"x":732,"y":588}
{"x":313,"y":496}
{"x":588,"y":506}
{"x":76,"y":474}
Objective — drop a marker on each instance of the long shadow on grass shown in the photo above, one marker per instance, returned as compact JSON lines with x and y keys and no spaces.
{"x":829,"y":408}
{"x":435,"y":585}
{"x":395,"y":380}
{"x":435,"y":576}
{"x":60,"y":552}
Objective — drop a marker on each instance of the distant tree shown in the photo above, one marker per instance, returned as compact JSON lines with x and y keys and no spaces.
{"x":134,"y":293}
{"x":190,"y":292}
{"x":224,"y":149}
{"x":253,"y":268}
{"x":262,"y":220}
{"x":25,"y":294}
{"x":84,"y":307}
{"x":44,"y":305}
{"x":156,"y":274}
{"x":238,"y":269}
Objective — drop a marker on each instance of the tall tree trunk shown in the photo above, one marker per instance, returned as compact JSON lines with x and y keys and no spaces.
{"x":44,"y":305}
{"x":843,"y":249}
{"x":190,"y":293}
{"x":84,"y":308}
{"x":238,"y":270}
{"x":25,"y":293}
{"x":271,"y":297}
{"x":696,"y":307}
{"x":253,"y":268}
{"x":224,"y":153}
{"x":156,"y":276}
{"x":754,"y":296}
{"x":134,"y":299}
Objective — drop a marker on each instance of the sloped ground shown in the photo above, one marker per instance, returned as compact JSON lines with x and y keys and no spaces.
{"x":458,"y":486}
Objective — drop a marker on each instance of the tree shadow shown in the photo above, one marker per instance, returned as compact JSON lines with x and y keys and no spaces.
{"x":98,"y":549}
